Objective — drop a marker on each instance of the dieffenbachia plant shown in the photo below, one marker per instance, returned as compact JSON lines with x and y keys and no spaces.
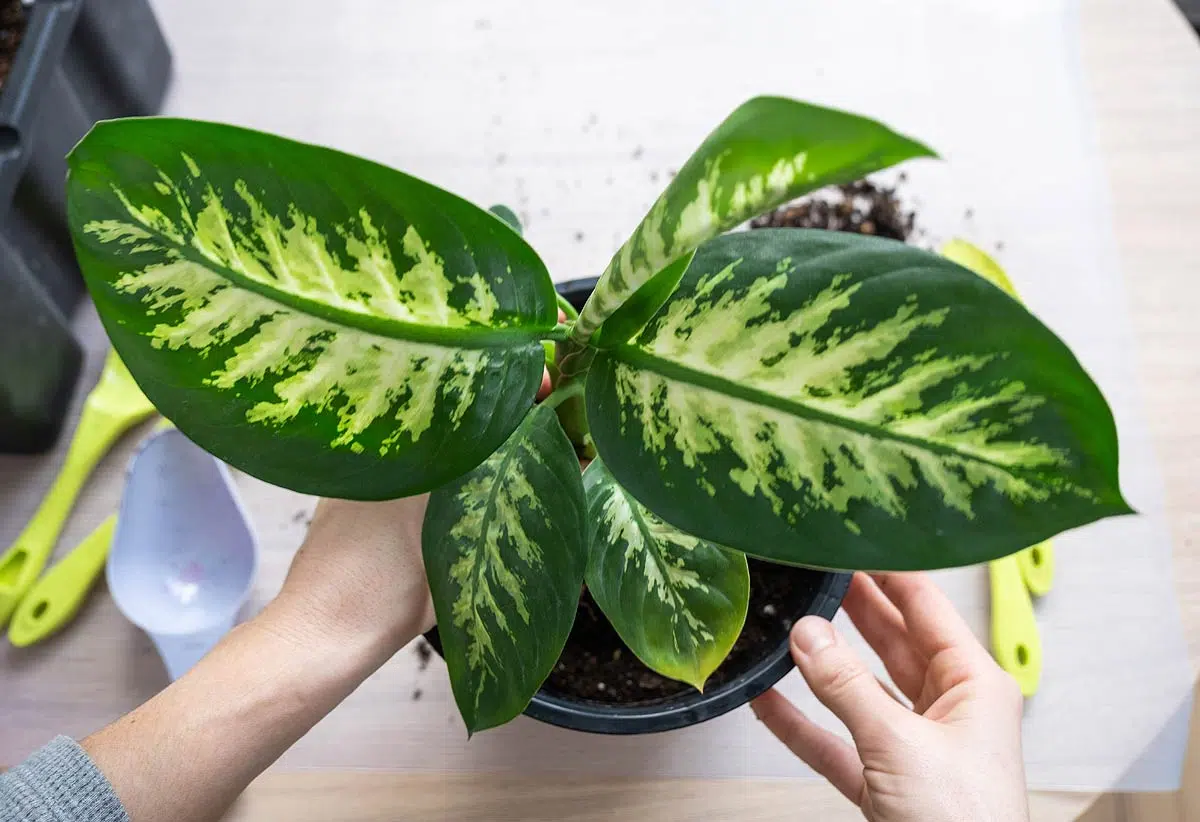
{"x":340,"y":328}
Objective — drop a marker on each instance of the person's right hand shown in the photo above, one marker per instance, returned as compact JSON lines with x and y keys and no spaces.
{"x":954,"y":755}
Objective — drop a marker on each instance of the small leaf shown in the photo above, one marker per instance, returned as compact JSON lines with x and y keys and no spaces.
{"x":851,"y":402}
{"x":678,"y":602}
{"x":635,"y":312}
{"x":317,"y":320}
{"x":768,"y":151}
{"x":975,"y":259}
{"x":508,"y":216}
{"x":504,"y":550}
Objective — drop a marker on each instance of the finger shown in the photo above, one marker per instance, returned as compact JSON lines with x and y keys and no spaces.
{"x":562,"y":316}
{"x":841,"y":680}
{"x":933,"y":623}
{"x":882,"y":626}
{"x":825,"y":753}
{"x":545,"y":388}
{"x":891,"y":691}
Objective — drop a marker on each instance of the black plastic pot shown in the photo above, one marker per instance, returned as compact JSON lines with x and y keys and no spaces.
{"x":79,"y":61}
{"x":689,"y":707}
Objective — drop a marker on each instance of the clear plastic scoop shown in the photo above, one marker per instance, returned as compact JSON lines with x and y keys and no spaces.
{"x":183,"y":556}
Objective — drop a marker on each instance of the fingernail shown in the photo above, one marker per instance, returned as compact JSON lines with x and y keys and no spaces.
{"x":811,"y":635}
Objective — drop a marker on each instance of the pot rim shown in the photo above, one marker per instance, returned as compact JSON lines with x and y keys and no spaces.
{"x":691,"y":707}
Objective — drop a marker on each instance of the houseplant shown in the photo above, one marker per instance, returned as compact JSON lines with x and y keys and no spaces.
{"x":838,"y":401}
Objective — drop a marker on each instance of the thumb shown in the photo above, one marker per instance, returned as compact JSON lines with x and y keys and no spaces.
{"x":841,"y":680}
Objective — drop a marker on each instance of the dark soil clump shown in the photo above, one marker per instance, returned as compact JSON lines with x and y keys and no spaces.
{"x":596,"y":665}
{"x":424,"y":654}
{"x":12,"y":29}
{"x":860,"y":207}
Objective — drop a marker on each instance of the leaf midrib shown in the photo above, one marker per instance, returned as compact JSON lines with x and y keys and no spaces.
{"x":649,"y":539}
{"x":682,"y":373}
{"x":467,"y":337}
{"x":489,"y":507}
{"x":656,"y":552}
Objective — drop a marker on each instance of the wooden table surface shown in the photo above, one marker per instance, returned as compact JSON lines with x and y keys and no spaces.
{"x":1143,"y":64}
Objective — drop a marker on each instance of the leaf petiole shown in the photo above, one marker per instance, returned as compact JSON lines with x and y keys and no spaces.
{"x":573,"y":388}
{"x":568,"y":310}
{"x":560,"y":333}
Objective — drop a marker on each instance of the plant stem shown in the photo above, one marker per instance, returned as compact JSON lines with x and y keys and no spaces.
{"x":569,"y":389}
{"x":567,"y":309}
{"x":572,"y":414}
{"x":574,"y":359}
{"x":560,"y":333}
{"x":573,"y":362}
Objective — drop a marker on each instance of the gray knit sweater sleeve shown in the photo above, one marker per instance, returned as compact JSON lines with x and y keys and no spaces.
{"x":59,"y":783}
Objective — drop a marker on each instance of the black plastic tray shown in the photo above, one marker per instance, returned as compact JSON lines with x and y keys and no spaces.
{"x":79,"y":61}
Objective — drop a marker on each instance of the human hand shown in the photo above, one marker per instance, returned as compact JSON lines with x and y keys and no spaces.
{"x":956,"y":755}
{"x":359,"y":573}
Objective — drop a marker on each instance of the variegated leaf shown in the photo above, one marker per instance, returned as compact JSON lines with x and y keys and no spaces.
{"x":504,"y":550}
{"x":1036,"y":561}
{"x":768,"y":151}
{"x":315,"y":319}
{"x":979,"y":262}
{"x":851,"y":402}
{"x":677,"y":601}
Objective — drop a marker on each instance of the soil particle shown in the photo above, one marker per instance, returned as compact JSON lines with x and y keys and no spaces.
{"x":12,"y":29}
{"x":424,"y":654}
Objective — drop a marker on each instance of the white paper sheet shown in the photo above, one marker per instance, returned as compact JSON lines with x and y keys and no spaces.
{"x":573,"y":113}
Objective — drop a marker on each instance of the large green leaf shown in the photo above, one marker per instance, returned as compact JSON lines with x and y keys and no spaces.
{"x":504,"y":552}
{"x":768,"y":151}
{"x":315,"y":319}
{"x":851,"y":402}
{"x":678,"y":602}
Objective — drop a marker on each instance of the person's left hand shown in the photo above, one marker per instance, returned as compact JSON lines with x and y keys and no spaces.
{"x":359,"y":572}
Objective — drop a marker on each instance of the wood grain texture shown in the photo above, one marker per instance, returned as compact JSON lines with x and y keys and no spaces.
{"x":1143,"y":65}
